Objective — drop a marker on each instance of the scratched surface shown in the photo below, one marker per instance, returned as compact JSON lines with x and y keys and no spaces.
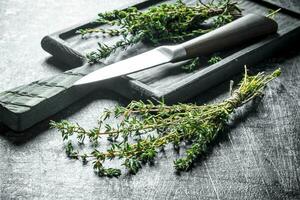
{"x":258,"y":158}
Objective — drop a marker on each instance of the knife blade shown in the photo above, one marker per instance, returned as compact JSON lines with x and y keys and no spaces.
{"x":239,"y":31}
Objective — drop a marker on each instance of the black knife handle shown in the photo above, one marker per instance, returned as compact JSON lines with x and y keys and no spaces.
{"x":232,"y":34}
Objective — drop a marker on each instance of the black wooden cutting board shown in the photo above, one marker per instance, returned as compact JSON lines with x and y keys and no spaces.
{"x":24,"y":106}
{"x":169,"y":81}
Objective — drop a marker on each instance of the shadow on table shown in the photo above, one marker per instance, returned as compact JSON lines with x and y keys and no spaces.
{"x":52,"y":62}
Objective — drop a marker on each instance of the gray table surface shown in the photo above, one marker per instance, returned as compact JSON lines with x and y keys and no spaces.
{"x":259,"y":158}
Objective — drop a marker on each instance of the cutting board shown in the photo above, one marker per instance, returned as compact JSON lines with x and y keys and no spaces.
{"x":26,"y":105}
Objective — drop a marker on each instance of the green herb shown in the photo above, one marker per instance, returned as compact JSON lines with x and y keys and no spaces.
{"x":146,"y":128}
{"x":191,"y":65}
{"x":194,"y":63}
{"x":214,"y":59}
{"x":168,"y":22}
{"x":272,"y":13}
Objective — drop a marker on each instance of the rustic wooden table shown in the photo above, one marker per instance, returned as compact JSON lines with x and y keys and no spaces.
{"x":259,"y":158}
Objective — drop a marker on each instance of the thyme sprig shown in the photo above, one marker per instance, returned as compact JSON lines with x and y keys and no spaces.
{"x":145,"y":128}
{"x":214,"y":59}
{"x":168,"y":22}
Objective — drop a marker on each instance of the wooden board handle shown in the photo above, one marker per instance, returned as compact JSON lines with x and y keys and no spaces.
{"x":24,"y":106}
{"x":56,"y":47}
{"x":237,"y":32}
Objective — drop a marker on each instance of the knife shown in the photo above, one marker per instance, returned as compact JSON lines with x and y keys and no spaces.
{"x":239,"y":31}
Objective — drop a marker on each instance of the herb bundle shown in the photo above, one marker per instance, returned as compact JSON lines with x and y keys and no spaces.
{"x":168,"y":22}
{"x":146,"y":128}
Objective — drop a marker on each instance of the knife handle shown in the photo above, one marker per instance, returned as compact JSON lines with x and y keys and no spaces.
{"x":232,"y":34}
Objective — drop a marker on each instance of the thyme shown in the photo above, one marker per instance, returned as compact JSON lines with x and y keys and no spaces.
{"x":272,"y":13}
{"x":168,"y":22}
{"x":194,"y":63}
{"x":145,"y":128}
{"x":191,"y":65}
{"x":214,"y":59}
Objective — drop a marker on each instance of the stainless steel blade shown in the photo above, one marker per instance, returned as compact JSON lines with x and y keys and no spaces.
{"x":152,"y":58}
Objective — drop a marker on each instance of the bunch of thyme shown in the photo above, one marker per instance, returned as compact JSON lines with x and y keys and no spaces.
{"x":145,"y":128}
{"x":168,"y":22}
